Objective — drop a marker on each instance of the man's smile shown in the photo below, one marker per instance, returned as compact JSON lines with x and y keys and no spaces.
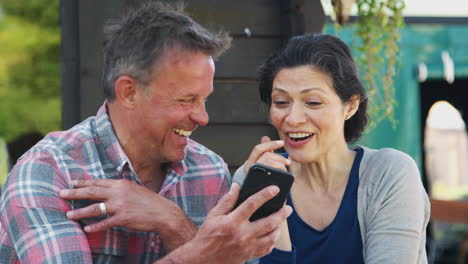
{"x":181,"y":132}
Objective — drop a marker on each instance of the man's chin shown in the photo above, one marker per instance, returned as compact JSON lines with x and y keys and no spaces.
{"x":177,"y":156}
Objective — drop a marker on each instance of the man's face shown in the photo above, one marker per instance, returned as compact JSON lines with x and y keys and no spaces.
{"x":173,"y":104}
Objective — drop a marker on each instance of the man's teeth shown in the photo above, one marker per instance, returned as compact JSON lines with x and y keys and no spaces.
{"x":299,"y":135}
{"x":182,"y":132}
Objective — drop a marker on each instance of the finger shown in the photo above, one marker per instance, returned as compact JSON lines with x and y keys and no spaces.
{"x":262,"y":252}
{"x":265,"y":147}
{"x":93,"y":182}
{"x":249,"y":206}
{"x":267,"y":224}
{"x":85,"y":193}
{"x":274,"y":160}
{"x":266,"y":243}
{"x":265,"y":139}
{"x":274,"y":164}
{"x":226,"y":203}
{"x":102,"y":225}
{"x":90,"y":211}
{"x":260,"y":149}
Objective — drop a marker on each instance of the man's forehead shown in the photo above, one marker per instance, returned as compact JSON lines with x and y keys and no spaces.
{"x":179,"y":57}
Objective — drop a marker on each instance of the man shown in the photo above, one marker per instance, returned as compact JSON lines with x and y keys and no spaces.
{"x":148,"y":187}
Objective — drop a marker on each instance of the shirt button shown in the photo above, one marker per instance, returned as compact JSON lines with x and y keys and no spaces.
{"x":152,"y":244}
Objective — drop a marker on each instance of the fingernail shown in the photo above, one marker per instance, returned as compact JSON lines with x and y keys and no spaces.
{"x":231,"y":190}
{"x":69,"y":214}
{"x":274,"y":189}
{"x":74,"y":182}
{"x":289,"y":210}
{"x":288,"y":161}
{"x":63,"y":192}
{"x":87,"y":229}
{"x":280,"y":142}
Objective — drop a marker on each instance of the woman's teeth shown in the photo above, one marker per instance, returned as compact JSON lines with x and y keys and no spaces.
{"x":299,"y":136}
{"x":181,"y":132}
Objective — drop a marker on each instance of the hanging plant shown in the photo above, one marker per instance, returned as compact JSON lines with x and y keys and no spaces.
{"x":378,"y":29}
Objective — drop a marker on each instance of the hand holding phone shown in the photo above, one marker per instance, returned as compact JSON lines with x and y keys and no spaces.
{"x":260,"y":176}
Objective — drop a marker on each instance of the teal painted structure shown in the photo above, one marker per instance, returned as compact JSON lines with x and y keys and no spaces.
{"x":420,"y":43}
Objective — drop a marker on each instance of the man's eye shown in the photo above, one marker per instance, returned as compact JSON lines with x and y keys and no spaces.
{"x":186,"y":101}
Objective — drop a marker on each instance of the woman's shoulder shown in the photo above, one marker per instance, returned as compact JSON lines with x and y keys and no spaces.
{"x":387,"y":165}
{"x":386,"y":157}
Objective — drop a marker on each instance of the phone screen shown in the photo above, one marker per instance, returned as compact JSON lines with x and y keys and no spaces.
{"x":260,"y":176}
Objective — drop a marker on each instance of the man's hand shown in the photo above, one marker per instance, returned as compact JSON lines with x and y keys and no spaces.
{"x":132,"y":206}
{"x":229,"y":237}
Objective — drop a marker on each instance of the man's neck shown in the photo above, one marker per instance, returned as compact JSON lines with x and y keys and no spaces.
{"x":149,"y":169}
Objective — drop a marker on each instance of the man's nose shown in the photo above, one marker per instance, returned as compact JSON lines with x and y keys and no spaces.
{"x":199,"y":115}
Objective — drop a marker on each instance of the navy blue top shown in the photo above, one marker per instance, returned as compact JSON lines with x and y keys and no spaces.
{"x":339,"y":242}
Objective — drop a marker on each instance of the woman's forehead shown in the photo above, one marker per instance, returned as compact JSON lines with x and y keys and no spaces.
{"x":303,"y":79}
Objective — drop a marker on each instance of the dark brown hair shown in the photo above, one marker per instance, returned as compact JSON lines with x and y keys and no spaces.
{"x":330,"y":55}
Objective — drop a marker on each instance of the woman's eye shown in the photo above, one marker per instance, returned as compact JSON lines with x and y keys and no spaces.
{"x":313,"y":103}
{"x":280,"y":103}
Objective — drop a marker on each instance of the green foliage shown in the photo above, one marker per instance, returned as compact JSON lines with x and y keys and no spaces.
{"x":378,"y":30}
{"x":30,"y":97}
{"x":379,"y":27}
{"x":3,"y":162}
{"x":44,"y":13}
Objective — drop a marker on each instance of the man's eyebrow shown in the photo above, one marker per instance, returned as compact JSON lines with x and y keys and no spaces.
{"x":195,"y":95}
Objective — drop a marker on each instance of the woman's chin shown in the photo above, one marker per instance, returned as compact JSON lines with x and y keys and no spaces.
{"x":301,"y":156}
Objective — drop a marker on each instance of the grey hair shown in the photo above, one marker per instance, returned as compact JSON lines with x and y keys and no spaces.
{"x":134,"y":43}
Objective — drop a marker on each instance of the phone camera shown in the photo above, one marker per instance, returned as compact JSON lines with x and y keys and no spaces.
{"x":259,"y":169}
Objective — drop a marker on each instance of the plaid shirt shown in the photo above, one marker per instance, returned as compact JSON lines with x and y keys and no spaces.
{"x":34,"y":228}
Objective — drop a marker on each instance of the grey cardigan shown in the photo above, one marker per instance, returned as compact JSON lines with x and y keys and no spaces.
{"x":393,"y":208}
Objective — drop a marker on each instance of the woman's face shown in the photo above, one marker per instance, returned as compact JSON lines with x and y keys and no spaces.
{"x":307,"y":113}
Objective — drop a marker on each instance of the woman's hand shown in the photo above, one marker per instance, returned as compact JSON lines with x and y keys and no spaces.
{"x":263,"y":153}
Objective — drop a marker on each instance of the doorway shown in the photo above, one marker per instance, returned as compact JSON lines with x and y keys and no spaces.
{"x":448,"y":104}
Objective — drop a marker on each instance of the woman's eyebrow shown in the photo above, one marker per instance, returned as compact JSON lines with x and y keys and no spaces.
{"x":302,"y":92}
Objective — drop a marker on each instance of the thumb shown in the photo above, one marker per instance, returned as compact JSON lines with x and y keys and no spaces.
{"x":226,"y":204}
{"x":265,"y":139}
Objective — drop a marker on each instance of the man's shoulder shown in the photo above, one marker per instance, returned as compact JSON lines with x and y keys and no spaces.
{"x":60,"y":144}
{"x":197,"y":149}
{"x":197,"y":154}
{"x":70,"y":139}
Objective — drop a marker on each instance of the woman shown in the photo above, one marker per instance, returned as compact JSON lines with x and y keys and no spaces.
{"x":356,"y":205}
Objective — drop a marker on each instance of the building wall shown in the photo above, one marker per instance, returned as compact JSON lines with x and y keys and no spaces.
{"x":237,"y":118}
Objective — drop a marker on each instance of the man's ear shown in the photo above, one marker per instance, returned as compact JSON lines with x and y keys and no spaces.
{"x":125,"y":91}
{"x":352,"y":106}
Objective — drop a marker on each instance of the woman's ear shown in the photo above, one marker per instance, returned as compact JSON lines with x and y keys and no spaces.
{"x":351,"y":106}
{"x":125,"y":91}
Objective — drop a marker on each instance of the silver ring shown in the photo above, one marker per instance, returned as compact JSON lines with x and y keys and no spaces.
{"x":102,"y":207}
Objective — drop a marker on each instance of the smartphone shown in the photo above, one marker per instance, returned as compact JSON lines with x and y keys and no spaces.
{"x":260,"y":176}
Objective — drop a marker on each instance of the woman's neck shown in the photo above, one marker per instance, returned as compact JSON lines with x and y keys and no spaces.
{"x":329,"y":172}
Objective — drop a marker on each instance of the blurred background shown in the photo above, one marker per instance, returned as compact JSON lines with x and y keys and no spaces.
{"x":412,"y":55}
